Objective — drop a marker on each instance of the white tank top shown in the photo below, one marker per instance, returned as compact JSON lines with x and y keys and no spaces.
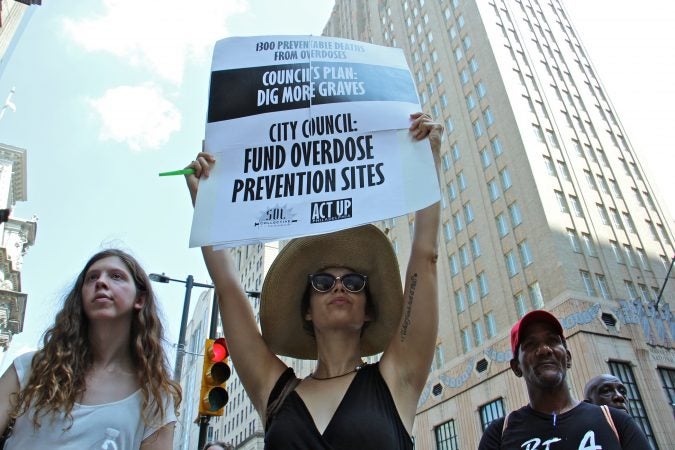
{"x":89,"y":422}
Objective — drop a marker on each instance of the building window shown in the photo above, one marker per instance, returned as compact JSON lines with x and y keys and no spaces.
{"x":602,"y":286}
{"x":480,"y":89}
{"x":483,"y":284}
{"x":630,"y":289}
{"x":511,"y":264}
{"x":668,"y":379}
{"x":576,"y":206}
{"x":536,"y":297}
{"x":616,"y":219}
{"x":475,"y":246}
{"x":466,"y":340}
{"x":457,"y":221}
{"x":464,"y":76}
{"x":473,"y":64}
{"x":491,"y":412}
{"x":464,"y":256}
{"x":445,"y":159}
{"x":588,"y":283}
{"x":550,"y":168}
{"x":477,"y":129}
{"x":624,"y":372}
{"x":493,"y":190}
{"x":502,"y":227}
{"x":525,"y":253}
{"x":491,"y":325}
{"x":574,"y":240}
{"x":505,"y":177}
{"x":628,"y":251}
{"x":461,"y":181}
{"x":562,"y":203}
{"x":514,"y":212}
{"x":454,"y":267}
{"x":468,"y":212}
{"x":455,"y":151}
{"x":478,"y":332}
{"x":618,"y":257}
{"x":460,"y":304}
{"x":644,"y":263}
{"x":446,"y":436}
{"x":588,"y":243}
{"x":452,"y":191}
{"x":489,"y":117}
{"x":496,"y":146}
{"x":603,"y":213}
{"x":470,"y":288}
{"x":447,"y":231}
{"x":470,"y":102}
{"x":521,"y":307}
{"x":485,"y":158}
{"x":590,"y":180}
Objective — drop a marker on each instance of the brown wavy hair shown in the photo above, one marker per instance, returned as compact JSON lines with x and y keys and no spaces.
{"x":57,"y":378}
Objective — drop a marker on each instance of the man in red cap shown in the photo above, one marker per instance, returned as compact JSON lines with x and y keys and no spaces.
{"x":553,"y":419}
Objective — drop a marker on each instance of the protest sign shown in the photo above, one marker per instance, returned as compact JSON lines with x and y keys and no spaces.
{"x":310,"y":136}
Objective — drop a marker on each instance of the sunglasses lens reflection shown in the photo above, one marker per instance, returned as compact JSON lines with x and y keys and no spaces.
{"x":324,"y":282}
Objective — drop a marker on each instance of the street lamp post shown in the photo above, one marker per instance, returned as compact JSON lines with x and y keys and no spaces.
{"x":189,"y":284}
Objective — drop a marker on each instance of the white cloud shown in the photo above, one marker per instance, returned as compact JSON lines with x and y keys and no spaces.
{"x":161,"y":36}
{"x":140,"y":116}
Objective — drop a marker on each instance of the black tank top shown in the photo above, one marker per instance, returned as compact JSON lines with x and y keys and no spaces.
{"x":365,"y":419}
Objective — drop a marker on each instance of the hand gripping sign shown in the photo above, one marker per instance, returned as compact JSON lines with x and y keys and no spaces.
{"x":310,"y":136}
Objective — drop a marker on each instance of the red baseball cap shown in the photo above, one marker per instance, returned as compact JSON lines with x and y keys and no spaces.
{"x":538,"y":315}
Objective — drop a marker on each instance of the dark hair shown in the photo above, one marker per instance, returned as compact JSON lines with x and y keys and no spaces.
{"x":308,"y":326}
{"x":218,"y":443}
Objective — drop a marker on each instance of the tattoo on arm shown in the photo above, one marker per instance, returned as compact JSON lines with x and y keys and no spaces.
{"x":408,"y":307}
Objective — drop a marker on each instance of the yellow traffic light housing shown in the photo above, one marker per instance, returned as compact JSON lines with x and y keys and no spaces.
{"x":213,"y":396}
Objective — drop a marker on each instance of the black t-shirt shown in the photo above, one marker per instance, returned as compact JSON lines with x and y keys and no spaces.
{"x":365,"y":419}
{"x":584,"y":427}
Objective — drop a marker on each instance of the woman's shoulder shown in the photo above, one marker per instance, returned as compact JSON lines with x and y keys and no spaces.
{"x":22,"y":365}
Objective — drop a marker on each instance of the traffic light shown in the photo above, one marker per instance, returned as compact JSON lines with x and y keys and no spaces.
{"x":213,"y":396}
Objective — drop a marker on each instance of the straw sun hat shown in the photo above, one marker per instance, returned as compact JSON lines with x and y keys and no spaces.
{"x":364,"y":249}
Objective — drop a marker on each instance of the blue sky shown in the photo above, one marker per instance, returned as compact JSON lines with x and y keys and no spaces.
{"x":111,"y":92}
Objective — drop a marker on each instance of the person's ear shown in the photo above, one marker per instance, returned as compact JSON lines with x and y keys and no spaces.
{"x":515,"y":367}
{"x":140,"y":302}
{"x":569,"y":359}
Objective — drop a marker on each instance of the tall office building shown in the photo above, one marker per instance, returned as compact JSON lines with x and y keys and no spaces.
{"x":545,"y":205}
{"x":14,"y":16}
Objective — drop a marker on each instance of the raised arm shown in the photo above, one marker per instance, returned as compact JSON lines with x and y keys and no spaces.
{"x":405,"y":363}
{"x":257,"y":366}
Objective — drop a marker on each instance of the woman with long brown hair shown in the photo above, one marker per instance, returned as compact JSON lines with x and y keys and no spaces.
{"x":101,"y":373}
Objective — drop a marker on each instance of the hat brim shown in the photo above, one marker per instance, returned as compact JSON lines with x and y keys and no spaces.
{"x":364,"y":249}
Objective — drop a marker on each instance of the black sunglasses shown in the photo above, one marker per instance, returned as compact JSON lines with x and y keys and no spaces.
{"x":324,"y":282}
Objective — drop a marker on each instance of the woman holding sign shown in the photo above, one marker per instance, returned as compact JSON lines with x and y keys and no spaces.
{"x":336,"y":298}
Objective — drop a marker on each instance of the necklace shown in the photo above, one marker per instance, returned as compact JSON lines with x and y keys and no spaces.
{"x":355,"y":369}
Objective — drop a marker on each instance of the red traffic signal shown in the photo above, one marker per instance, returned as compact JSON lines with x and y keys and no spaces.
{"x":215,"y":373}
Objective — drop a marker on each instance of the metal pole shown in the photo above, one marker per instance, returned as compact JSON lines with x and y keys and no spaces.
{"x":663,"y":286}
{"x":180,"y":350}
{"x":203,"y":427}
{"x":214,"y":317}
